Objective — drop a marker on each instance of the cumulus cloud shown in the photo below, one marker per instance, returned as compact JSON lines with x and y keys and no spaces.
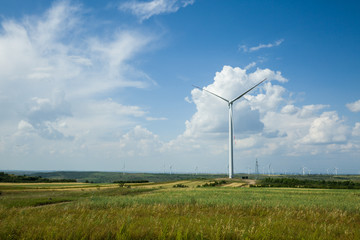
{"x":211,"y":117}
{"x":261,"y":46}
{"x":145,"y":10}
{"x":267,"y":122}
{"x":289,"y":109}
{"x":44,"y":116}
{"x":354,"y":107}
{"x":328,"y":128}
{"x":140,"y":142}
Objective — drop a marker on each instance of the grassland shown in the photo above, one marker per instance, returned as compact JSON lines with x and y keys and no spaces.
{"x":160,"y":211}
{"x":109,"y":177}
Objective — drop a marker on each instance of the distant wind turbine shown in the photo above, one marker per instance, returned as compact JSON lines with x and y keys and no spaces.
{"x":230,"y":104}
{"x":303,"y":170}
{"x":269,"y":169}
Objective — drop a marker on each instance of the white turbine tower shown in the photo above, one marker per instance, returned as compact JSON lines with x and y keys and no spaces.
{"x":230,"y":105}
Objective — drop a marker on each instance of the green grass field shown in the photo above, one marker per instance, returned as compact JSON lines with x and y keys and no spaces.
{"x":109,"y":177}
{"x":159,"y":211}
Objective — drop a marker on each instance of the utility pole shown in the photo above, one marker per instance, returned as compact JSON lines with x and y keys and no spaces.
{"x":256,"y":169}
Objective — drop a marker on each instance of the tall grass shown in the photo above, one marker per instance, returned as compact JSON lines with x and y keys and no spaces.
{"x":205,"y":213}
{"x":289,"y":198}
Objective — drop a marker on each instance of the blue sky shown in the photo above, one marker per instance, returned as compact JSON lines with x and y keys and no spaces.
{"x":96,"y":85}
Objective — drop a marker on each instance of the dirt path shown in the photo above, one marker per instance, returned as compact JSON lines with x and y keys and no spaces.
{"x":250,"y":181}
{"x":235,"y":184}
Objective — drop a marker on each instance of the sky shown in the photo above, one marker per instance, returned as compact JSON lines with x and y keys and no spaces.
{"x":108,"y":85}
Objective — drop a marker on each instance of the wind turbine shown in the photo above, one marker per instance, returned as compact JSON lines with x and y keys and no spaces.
{"x":303,"y":171}
{"x":270,"y":169}
{"x":257,"y":170}
{"x":230,"y":105}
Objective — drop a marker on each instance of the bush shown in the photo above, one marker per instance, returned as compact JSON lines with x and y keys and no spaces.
{"x":214,"y":184}
{"x":180,"y":186}
{"x":297,"y":183}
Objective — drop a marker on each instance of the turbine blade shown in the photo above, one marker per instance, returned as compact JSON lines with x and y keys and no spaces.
{"x":247,"y":91}
{"x":211,"y":93}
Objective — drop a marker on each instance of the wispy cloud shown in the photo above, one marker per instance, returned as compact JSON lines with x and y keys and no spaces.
{"x":187,"y":99}
{"x":250,"y":65}
{"x":60,"y":69}
{"x":260,"y":46}
{"x":156,"y":118}
{"x":145,"y":10}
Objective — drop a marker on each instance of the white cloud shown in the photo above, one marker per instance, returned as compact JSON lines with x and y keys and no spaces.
{"x":356,"y":130}
{"x":269,"y":100}
{"x":25,"y":126}
{"x":187,"y":99}
{"x":145,"y":10}
{"x":53,"y":51}
{"x":245,"y":143}
{"x":140,"y":142}
{"x":267,"y":123}
{"x":308,"y":111}
{"x":108,"y":107}
{"x":261,"y":46}
{"x":327,"y":128}
{"x":156,"y":118}
{"x":43,"y":55}
{"x":81,"y":60}
{"x":55,"y":79}
{"x":44,"y":115}
{"x":250,"y":65}
{"x":211,"y":119}
{"x":354,"y":107}
{"x":289,"y":109}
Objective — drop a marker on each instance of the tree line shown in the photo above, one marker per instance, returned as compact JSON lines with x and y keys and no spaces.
{"x":4,"y":177}
{"x":132,"y":181}
{"x":298,"y":183}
